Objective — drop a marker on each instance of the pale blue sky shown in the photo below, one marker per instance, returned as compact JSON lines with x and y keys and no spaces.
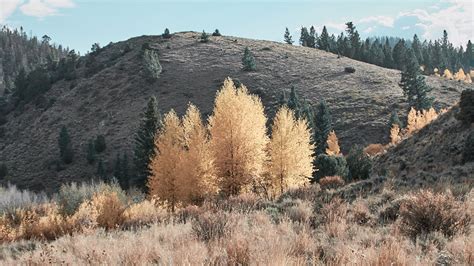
{"x":79,"y":23}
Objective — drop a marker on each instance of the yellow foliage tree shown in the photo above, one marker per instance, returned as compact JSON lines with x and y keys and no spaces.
{"x":166,"y":168}
{"x":417,"y":120}
{"x":395,"y":134}
{"x":290,"y":151}
{"x":460,"y":75}
{"x":199,"y":175}
{"x":238,"y":138}
{"x":447,"y":74}
{"x":333,"y":144}
{"x":468,"y":78}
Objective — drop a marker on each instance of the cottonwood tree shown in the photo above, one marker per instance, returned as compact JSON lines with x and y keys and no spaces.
{"x":165,"y":166}
{"x":199,"y":179}
{"x":290,"y":151}
{"x":238,"y":138}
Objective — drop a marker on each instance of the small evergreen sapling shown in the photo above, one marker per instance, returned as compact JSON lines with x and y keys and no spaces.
{"x":166,"y":34}
{"x":248,"y":61}
{"x":216,"y":33}
{"x":204,"y":37}
{"x":287,"y":37}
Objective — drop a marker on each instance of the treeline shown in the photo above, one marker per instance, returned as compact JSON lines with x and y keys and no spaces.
{"x":19,"y":51}
{"x":431,"y":55}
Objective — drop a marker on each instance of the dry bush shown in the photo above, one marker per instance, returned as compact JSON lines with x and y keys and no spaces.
{"x":331,"y":182}
{"x":243,"y":203}
{"x":374,"y":149}
{"x":447,"y":74}
{"x":361,"y":213}
{"x":303,"y":193}
{"x":238,"y":251}
{"x":419,"y":119}
{"x":211,"y":226}
{"x":424,"y":212}
{"x":12,"y":199}
{"x":391,"y":252}
{"x":188,"y":213}
{"x":333,"y":217}
{"x":301,"y":212}
{"x":38,"y":222}
{"x":109,"y":208}
{"x":143,"y":213}
{"x":395,"y":134}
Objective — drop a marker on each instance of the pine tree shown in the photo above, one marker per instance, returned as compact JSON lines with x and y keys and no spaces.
{"x":388,"y":58}
{"x":414,"y":86}
{"x":312,"y":37}
{"x":469,"y":56}
{"x":65,"y":146}
{"x":327,"y":165}
{"x":118,"y":167}
{"x":99,"y":144}
{"x":124,"y":179}
{"x":294,"y":102}
{"x":144,"y":143}
{"x":290,"y":151}
{"x":354,"y":40}
{"x":400,"y":55}
{"x":166,"y":34}
{"x":323,"y":41}
{"x":283,"y":99}
{"x":3,"y":171}
{"x":332,"y":144}
{"x":91,"y":153}
{"x":394,"y":119}
{"x":199,"y":174}
{"x":287,"y":37}
{"x":417,"y":49}
{"x":323,"y":125}
{"x":238,"y":138}
{"x":204,"y":37}
{"x":304,"y":37}
{"x":166,"y":165}
{"x":248,"y":61}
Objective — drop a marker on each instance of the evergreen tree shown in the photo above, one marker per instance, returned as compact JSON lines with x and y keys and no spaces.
{"x":294,"y":102}
{"x":248,"y":61}
{"x":287,"y":37}
{"x":376,"y":54}
{"x":394,"y":120}
{"x":304,"y":37}
{"x":388,"y":58}
{"x":312,"y":37}
{"x":354,"y":41}
{"x":417,"y":49}
{"x":144,"y":143}
{"x":283,"y":99}
{"x":414,"y":86}
{"x":118,"y":167}
{"x":99,"y":144}
{"x":65,"y":146}
{"x":91,"y":152}
{"x":124,"y":180}
{"x":204,"y":37}
{"x":323,"y":41}
{"x":400,"y":55}
{"x":427,"y":61}
{"x":166,"y":34}
{"x":323,"y":126}
{"x":3,"y":170}
{"x":469,"y":56}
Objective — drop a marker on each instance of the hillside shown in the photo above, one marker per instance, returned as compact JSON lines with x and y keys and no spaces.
{"x":432,"y":154}
{"x":110,"y":99}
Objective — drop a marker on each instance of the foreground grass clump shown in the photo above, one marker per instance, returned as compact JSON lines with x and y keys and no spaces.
{"x":303,"y":226}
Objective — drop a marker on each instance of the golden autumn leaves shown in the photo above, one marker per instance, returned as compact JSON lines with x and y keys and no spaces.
{"x":232,"y":154}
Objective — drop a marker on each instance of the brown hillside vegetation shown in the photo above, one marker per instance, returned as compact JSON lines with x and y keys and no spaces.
{"x":109,"y":102}
{"x":432,"y":154}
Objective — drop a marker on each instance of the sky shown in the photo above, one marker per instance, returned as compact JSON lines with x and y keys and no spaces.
{"x":78,"y":24}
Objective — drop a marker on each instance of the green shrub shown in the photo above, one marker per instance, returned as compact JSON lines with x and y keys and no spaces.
{"x":330,"y":166}
{"x":204,"y":37}
{"x":359,"y":164}
{"x":468,"y":153}
{"x":466,"y":114}
{"x":216,"y":33}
